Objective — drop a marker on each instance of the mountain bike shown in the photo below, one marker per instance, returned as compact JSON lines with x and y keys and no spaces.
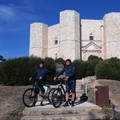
{"x":58,"y":94}
{"x":30,"y":98}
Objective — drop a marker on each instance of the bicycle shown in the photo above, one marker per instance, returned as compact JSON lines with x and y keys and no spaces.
{"x":58,"y":94}
{"x":30,"y":98}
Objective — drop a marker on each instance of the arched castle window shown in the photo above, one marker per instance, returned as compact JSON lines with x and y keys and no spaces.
{"x":56,"y":41}
{"x":91,"y":37}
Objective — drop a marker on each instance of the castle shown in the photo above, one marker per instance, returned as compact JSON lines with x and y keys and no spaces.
{"x":76,"y":38}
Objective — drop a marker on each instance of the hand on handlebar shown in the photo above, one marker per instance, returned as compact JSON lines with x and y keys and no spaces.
{"x":66,"y":78}
{"x":30,"y":78}
{"x":40,"y":78}
{"x":54,"y":78}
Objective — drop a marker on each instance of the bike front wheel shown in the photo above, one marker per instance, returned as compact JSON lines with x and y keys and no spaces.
{"x":57,"y":97}
{"x":29,"y":98}
{"x":50,"y":95}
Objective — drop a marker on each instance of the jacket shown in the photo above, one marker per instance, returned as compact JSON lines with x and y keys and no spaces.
{"x":69,"y":71}
{"x":40,"y":72}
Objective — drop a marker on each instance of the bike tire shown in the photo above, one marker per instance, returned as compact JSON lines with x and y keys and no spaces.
{"x":28,"y":99}
{"x":57,"y":97}
{"x":50,"y":95}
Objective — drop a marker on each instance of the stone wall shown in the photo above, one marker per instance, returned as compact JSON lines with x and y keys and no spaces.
{"x":112,"y":35}
{"x":69,"y":34}
{"x":39,"y":40}
{"x":71,"y":37}
{"x":91,"y":47}
{"x":53,"y":37}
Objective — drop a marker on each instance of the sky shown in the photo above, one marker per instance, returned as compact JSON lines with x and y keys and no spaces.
{"x":17,"y":15}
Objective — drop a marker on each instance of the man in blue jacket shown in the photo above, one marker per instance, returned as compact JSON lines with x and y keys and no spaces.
{"x":70,"y":81}
{"x":40,"y":76}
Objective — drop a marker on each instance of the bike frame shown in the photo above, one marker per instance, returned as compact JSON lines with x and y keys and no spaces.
{"x":61,"y":87}
{"x":40,"y":91}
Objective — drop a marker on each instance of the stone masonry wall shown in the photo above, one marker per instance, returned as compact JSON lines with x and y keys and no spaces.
{"x":106,"y":33}
{"x":69,"y":34}
{"x":112,"y":35}
{"x":53,"y":36}
{"x":91,"y":47}
{"x":38,"y":40}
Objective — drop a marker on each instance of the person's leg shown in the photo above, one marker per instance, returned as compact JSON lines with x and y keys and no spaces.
{"x":43,"y":91}
{"x":67,"y":94}
{"x":73,"y":91}
{"x":73,"y":96}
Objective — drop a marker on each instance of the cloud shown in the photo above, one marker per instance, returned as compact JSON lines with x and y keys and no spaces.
{"x":13,"y":16}
{"x":7,"y":13}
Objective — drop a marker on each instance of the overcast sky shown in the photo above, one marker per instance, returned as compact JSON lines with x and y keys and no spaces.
{"x":17,"y":15}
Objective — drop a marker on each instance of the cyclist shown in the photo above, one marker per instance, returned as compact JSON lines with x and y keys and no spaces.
{"x":70,"y":81}
{"x":40,"y":76}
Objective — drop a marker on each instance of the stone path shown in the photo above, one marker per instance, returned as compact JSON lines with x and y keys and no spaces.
{"x":81,"y":111}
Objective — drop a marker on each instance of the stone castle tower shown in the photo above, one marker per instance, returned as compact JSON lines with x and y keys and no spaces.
{"x":76,"y":38}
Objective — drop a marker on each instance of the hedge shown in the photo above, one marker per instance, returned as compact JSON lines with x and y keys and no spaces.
{"x":18,"y":70}
{"x":79,"y":68}
{"x":108,"y":69}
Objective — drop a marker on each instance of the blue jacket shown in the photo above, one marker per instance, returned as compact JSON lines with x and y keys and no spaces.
{"x":69,"y":71}
{"x":40,"y":72}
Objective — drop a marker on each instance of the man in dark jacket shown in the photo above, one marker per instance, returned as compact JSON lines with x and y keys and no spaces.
{"x":70,"y":81}
{"x":40,"y":76}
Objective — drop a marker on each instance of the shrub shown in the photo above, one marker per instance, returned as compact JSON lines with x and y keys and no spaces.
{"x":17,"y":71}
{"x":79,"y":68}
{"x":93,"y":57}
{"x":60,"y":61}
{"x":108,"y":69}
{"x":90,"y":65}
{"x":51,"y":66}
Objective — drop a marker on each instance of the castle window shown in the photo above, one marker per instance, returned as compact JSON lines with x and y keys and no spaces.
{"x":56,"y":41}
{"x":91,"y":37}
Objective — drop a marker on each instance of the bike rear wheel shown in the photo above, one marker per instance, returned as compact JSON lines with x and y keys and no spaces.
{"x":57,"y":97}
{"x":29,"y":100}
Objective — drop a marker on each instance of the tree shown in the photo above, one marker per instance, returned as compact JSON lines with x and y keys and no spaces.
{"x":2,"y":59}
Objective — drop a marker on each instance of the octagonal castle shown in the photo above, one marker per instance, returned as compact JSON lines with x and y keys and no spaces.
{"x":76,"y":38}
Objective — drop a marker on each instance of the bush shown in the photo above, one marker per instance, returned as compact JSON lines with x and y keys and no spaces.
{"x":60,"y":61}
{"x":79,"y":68}
{"x":17,"y":71}
{"x":108,"y":69}
{"x":93,"y":57}
{"x":86,"y":68}
{"x":51,"y":66}
{"x":90,"y":65}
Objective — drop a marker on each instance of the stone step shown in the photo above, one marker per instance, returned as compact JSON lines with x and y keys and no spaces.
{"x":80,"y":116}
{"x":48,"y":109}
